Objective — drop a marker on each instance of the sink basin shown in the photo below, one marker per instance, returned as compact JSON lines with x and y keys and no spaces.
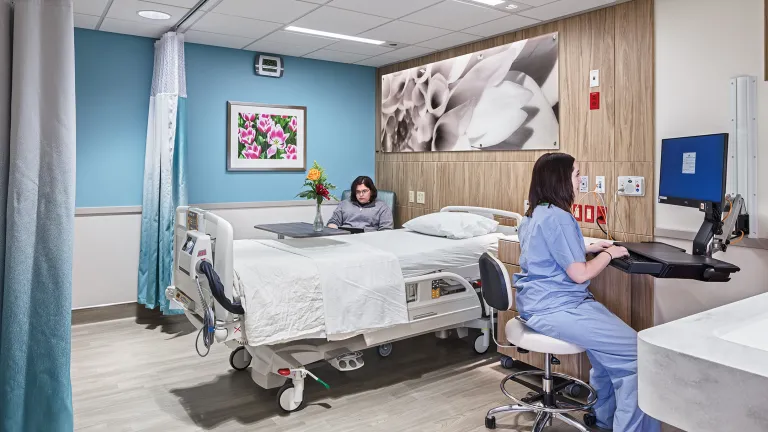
{"x":753,"y":334}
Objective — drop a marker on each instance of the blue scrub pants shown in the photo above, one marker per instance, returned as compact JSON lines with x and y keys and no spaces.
{"x":612,"y":349}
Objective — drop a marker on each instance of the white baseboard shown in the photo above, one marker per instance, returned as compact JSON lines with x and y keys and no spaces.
{"x":106,"y":253}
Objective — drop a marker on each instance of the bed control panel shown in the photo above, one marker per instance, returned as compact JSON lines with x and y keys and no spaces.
{"x":441,"y":288}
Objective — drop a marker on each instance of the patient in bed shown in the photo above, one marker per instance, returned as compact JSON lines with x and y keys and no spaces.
{"x":363,"y":210}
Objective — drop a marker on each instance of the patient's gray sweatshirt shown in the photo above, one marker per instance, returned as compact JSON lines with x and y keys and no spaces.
{"x":374,"y":216}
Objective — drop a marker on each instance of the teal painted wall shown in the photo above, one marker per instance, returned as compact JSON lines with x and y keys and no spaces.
{"x":113,"y":78}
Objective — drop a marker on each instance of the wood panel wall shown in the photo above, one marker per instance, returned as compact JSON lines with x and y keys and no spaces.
{"x":617,"y":139}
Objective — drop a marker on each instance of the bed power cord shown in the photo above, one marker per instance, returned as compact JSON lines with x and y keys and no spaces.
{"x":217,"y":289}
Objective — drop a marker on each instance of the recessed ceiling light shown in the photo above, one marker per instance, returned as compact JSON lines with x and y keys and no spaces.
{"x":490,"y":2}
{"x":154,"y":15}
{"x":333,"y":35}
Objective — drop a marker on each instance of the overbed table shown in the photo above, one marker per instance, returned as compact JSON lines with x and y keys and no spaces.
{"x":299,"y":230}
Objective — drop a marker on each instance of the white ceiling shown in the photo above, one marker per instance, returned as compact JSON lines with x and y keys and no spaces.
{"x":412,"y":28}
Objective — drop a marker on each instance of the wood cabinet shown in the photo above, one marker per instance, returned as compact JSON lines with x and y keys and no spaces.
{"x":630,"y":297}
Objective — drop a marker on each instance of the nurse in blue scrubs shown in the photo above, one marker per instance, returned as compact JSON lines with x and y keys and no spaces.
{"x":553,"y":298}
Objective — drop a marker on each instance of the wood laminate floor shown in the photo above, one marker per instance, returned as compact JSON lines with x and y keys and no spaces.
{"x":133,"y":376}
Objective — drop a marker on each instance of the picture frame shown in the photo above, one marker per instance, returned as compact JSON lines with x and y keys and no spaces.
{"x":265,"y":137}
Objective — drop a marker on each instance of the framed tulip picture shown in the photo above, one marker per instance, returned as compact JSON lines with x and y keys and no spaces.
{"x":266,"y":137}
{"x":501,"y":98}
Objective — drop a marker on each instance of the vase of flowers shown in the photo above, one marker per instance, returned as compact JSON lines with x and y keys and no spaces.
{"x":317,"y":188}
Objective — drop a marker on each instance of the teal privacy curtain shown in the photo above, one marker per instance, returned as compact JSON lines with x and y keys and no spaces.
{"x":37,"y":210}
{"x":164,"y":172}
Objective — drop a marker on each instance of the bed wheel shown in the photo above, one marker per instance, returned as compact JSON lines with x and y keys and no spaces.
{"x":240,"y":358}
{"x":285,"y":398}
{"x":480,"y":346}
{"x":385,"y":350}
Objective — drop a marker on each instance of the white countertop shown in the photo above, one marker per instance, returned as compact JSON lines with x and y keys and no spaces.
{"x":710,"y":370}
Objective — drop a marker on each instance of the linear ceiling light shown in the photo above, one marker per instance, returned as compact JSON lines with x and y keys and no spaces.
{"x":490,"y":2}
{"x":333,"y":35}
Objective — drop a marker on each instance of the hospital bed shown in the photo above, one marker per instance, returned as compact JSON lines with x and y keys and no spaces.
{"x":284,"y":306}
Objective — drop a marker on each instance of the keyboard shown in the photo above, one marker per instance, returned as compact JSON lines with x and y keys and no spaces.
{"x":638,"y":264}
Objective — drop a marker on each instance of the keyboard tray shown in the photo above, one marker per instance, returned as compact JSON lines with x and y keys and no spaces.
{"x":664,"y":261}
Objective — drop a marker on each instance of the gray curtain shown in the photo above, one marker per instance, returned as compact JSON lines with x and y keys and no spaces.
{"x":37,"y":207}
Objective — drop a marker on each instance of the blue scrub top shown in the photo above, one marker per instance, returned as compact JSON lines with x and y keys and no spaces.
{"x":550,"y":241}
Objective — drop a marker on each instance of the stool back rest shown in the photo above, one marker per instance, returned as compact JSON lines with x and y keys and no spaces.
{"x":495,"y":284}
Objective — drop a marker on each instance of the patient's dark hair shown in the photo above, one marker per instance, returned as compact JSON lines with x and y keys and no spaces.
{"x":363,"y":180}
{"x":551,"y":182}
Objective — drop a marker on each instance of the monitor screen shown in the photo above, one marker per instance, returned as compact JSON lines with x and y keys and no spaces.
{"x":693,"y":170}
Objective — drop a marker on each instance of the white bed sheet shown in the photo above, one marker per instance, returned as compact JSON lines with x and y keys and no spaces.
{"x":420,"y":254}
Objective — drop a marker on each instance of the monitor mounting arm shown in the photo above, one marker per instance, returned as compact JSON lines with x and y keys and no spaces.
{"x":714,"y":234}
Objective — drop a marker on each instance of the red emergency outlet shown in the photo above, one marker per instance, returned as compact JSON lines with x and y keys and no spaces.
{"x":577,"y":212}
{"x":594,"y":100}
{"x":589,"y":213}
{"x":602,"y":215}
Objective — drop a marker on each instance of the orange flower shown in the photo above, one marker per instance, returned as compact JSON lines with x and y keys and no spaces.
{"x":313,"y":174}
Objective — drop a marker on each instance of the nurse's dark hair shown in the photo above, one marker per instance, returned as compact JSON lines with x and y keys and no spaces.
{"x":363,"y":180}
{"x":551,"y":182}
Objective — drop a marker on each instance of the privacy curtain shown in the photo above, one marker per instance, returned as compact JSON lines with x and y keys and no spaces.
{"x":37,"y":208}
{"x":164,"y":171}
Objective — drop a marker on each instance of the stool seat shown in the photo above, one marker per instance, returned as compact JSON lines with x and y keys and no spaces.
{"x":525,"y":337}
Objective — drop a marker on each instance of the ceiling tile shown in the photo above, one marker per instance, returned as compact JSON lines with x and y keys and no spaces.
{"x":188,"y":4}
{"x":215,"y":39}
{"x":136,"y":28}
{"x":339,"y":21}
{"x":449,"y":41}
{"x":409,"y":52}
{"x":563,"y":8}
{"x":280,"y":11}
{"x":336,"y":56}
{"x":535,"y":3}
{"x":384,"y":8}
{"x":504,"y":25}
{"x":317,"y":1}
{"x":231,"y":25}
{"x":279,"y":48}
{"x":128,"y":10}
{"x":378,"y":61}
{"x":404,"y":32}
{"x":90,"y":7}
{"x":86,"y":21}
{"x":192,"y":20}
{"x":359,"y":48}
{"x":298,"y":39}
{"x":454,"y":15}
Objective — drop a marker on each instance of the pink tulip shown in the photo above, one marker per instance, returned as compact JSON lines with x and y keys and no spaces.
{"x":277,"y":137}
{"x":294,"y":124}
{"x":271,"y":151}
{"x":249,"y":119}
{"x":247,"y":136}
{"x":265,"y":125}
{"x":290,"y":152}
{"x":252,"y":152}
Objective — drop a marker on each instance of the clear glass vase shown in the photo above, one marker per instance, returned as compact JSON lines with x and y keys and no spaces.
{"x":318,"y":225}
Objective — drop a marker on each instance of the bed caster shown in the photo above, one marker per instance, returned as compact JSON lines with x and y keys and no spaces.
{"x":490,"y":422}
{"x":507,"y":362}
{"x":240,"y":358}
{"x":385,"y":350}
{"x":289,"y":399}
{"x":481,"y":347}
{"x":573,"y":390}
{"x":590,"y":419}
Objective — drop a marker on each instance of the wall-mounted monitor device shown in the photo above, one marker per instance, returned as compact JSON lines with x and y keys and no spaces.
{"x":267,"y":65}
{"x":693,"y":170}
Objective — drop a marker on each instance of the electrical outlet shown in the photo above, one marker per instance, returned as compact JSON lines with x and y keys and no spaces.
{"x":631,"y":186}
{"x":420,"y":199}
{"x":602,"y":216}
{"x":410,"y":197}
{"x":589,"y":213}
{"x":584,"y":184}
{"x":594,"y":78}
{"x":577,"y":212}
{"x":600,"y":184}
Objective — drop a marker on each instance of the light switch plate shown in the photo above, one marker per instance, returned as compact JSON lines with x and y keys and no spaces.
{"x":594,"y":78}
{"x":600,"y":184}
{"x":584,"y":185}
{"x":410,"y":196}
{"x":631,"y":186}
{"x":420,"y":197}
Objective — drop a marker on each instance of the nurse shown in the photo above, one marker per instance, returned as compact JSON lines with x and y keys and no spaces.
{"x":553,"y":298}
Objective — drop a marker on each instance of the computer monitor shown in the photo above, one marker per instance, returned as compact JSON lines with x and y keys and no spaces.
{"x":693,"y":170}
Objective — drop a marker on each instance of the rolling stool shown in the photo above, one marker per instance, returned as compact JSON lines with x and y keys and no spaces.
{"x":496,"y":290}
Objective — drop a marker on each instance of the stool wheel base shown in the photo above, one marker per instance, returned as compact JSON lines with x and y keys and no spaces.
{"x":490,"y":422}
{"x":590,"y":419}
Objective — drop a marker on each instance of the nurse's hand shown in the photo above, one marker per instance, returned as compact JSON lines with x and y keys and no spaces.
{"x":596,"y":248}
{"x":617,"y":251}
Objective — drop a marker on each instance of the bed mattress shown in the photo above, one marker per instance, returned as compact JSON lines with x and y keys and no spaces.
{"x":420,"y":254}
